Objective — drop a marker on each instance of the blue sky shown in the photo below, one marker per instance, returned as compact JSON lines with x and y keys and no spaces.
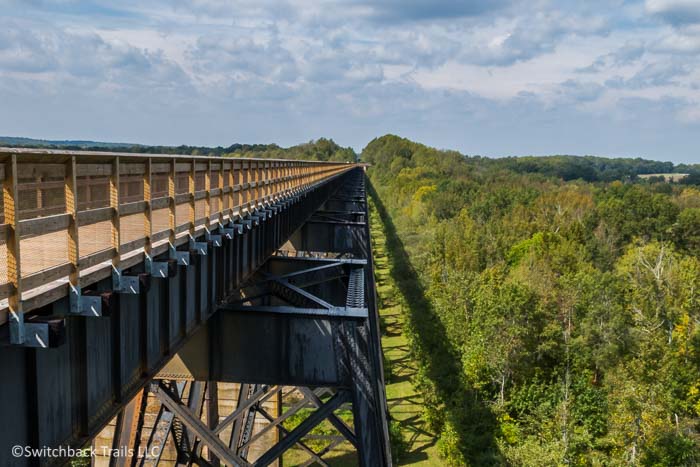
{"x":496,"y":78}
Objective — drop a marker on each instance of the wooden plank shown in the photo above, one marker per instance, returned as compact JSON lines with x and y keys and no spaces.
{"x":5,"y":290}
{"x":148,"y":211}
{"x":71,"y":195}
{"x":133,"y":168}
{"x":114,"y":204}
{"x":191,"y":190}
{"x":40,"y":184}
{"x":172,"y":205}
{"x":245,"y":183}
{"x":183,"y":198}
{"x":159,"y":167}
{"x":184,"y":166}
{"x":231,"y":195}
{"x":10,"y":205}
{"x":93,"y":216}
{"x":160,"y":203}
{"x":207,"y":189}
{"x":51,"y":274}
{"x":158,"y":236}
{"x":94,"y":259}
{"x":44,"y":225}
{"x":132,"y":245}
{"x":46,"y":169}
{"x":94,"y":170}
{"x":134,"y":207}
{"x":60,"y":156}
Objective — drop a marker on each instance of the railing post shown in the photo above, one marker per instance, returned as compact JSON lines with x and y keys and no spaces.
{"x":256,"y":178}
{"x":14,"y":272}
{"x":172,"y":205}
{"x":244,"y":191}
{"x":276,"y":180}
{"x":191,"y":189}
{"x":231,"y":196}
{"x":207,"y":201}
{"x":116,"y":242}
{"x":70,"y":190}
{"x":147,"y":214}
{"x":221,"y":193}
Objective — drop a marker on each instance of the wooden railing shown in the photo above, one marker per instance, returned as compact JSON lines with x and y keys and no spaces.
{"x":68,"y":215}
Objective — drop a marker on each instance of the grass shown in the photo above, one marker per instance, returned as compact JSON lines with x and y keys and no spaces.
{"x":405,"y":403}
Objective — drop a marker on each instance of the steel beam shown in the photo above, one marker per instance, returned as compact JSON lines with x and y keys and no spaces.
{"x":303,"y":428}
{"x":192,"y":422}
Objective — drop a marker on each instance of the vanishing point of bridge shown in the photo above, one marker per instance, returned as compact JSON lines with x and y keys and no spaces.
{"x":184,"y":310}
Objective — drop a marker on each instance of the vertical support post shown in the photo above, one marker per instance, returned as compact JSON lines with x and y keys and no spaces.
{"x":14,"y":272}
{"x":221,"y":193}
{"x":261,"y":180}
{"x":207,"y":202}
{"x":212,"y":414}
{"x":147,"y":215}
{"x":190,"y":187}
{"x":231,"y":196}
{"x":253,"y":202}
{"x":172,"y":221}
{"x":39,"y":192}
{"x":70,"y":190}
{"x":245,"y":169}
{"x":266,"y":182}
{"x":114,"y":204}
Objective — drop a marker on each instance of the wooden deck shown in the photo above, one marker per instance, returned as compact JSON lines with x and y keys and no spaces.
{"x":68,"y":217}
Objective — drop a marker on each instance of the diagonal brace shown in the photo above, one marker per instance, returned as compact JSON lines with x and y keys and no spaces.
{"x":303,"y":428}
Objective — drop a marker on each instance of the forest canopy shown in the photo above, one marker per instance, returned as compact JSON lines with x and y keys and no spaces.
{"x":553,"y":304}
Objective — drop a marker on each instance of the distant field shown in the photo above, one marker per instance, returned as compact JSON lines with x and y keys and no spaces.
{"x":669,"y":177}
{"x":31,"y":142}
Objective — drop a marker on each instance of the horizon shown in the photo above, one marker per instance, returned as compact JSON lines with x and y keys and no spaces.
{"x":357,"y":151}
{"x":504,"y":78}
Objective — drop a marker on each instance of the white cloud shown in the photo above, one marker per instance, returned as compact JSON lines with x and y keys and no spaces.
{"x":678,"y":12}
{"x":303,"y":68}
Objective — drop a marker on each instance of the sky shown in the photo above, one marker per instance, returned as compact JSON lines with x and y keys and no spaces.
{"x":489,"y":77}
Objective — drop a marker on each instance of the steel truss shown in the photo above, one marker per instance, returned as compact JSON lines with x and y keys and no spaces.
{"x":191,"y":423}
{"x":211,"y":438}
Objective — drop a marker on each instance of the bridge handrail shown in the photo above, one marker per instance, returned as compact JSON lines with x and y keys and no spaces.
{"x":49,"y":248}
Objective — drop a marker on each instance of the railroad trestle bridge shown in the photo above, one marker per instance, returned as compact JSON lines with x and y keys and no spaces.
{"x":185,"y":310}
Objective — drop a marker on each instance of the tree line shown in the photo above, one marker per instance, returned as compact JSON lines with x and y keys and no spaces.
{"x":559,"y":309}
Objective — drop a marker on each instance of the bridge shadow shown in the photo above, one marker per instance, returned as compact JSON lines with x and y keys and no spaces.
{"x":473,"y":422}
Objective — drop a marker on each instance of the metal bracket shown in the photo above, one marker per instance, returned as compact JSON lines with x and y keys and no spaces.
{"x":215,"y":240}
{"x":84,"y":305}
{"x":37,"y":335}
{"x":45,"y":334}
{"x":183,"y":258}
{"x":199,"y":247}
{"x":125,"y":284}
{"x":227,"y":233}
{"x":17,"y":331}
{"x":159,"y":269}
